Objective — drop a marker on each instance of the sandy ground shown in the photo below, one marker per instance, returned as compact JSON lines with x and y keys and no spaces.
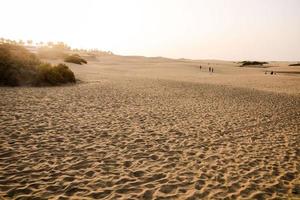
{"x":141,"y":128}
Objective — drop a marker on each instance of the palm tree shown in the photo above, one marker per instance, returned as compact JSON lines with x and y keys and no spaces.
{"x":21,"y":42}
{"x":29,"y":42}
{"x":50,"y":44}
{"x":40,"y":44}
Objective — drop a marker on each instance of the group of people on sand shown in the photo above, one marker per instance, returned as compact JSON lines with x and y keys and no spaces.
{"x":210,"y":69}
{"x":272,"y":72}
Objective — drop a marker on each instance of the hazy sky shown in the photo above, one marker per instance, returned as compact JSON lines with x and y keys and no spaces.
{"x":199,"y":29}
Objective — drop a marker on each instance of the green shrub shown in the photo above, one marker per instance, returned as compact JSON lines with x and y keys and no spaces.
{"x":75,"y":58}
{"x":20,"y":67}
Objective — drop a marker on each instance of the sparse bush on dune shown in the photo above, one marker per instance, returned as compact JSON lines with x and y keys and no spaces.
{"x":17,"y":65}
{"x":20,"y":67}
{"x":296,"y":64}
{"x":246,"y":63}
{"x":54,"y":75}
{"x":75,"y":58}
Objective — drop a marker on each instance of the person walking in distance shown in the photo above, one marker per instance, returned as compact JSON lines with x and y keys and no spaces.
{"x":209,"y":69}
{"x":212,"y":70}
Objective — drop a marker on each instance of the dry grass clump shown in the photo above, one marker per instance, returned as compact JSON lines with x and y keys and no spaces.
{"x":20,"y":67}
{"x":75,"y":58}
{"x":247,"y":63}
{"x":296,"y":64}
{"x":54,"y":75}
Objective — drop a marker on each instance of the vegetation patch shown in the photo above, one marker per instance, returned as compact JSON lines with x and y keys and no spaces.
{"x":54,"y":75}
{"x":249,"y":63}
{"x":297,"y":64}
{"x":20,"y":67}
{"x":75,"y":58}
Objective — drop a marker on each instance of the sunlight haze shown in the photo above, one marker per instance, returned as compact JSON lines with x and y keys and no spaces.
{"x":197,"y":29}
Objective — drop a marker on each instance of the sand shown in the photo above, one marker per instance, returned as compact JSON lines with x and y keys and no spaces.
{"x":153,"y":128}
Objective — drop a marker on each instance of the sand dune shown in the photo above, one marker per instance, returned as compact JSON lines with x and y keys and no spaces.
{"x":152,"y":128}
{"x":226,"y":72}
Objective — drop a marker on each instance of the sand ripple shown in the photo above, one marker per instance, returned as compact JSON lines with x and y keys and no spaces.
{"x":148,"y":139}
